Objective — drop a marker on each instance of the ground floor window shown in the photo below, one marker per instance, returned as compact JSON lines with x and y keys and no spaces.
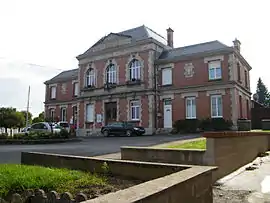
{"x":89,"y":113}
{"x":63,"y":114}
{"x":216,"y":106}
{"x":190,"y":107}
{"x":135,"y":110}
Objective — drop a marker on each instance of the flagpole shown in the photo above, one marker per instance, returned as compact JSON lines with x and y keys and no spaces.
{"x":27,"y":110}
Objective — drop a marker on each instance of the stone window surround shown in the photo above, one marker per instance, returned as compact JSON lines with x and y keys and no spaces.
{"x":130,"y":59}
{"x":136,"y":98}
{"x":215,"y":92}
{"x":214,"y":58}
{"x":189,"y":94}
{"x":90,"y":65}
{"x":168,"y":65}
{"x":114,"y":62}
{"x":166,"y":96}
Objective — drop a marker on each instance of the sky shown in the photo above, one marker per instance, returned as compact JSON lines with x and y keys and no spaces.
{"x":40,"y":38}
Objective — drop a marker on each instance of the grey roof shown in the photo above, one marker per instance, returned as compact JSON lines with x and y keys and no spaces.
{"x":136,"y":34}
{"x":207,"y":47}
{"x":64,"y":76}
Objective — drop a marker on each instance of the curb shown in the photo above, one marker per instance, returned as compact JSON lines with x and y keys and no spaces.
{"x":44,"y":141}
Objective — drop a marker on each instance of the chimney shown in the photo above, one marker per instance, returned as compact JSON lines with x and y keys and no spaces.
{"x":237,"y":44}
{"x":170,"y":37}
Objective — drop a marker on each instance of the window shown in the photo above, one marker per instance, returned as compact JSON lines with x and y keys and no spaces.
{"x":246,"y":79}
{"x":135,"y":110}
{"x":216,"y":106}
{"x":52,"y":114}
{"x":76,"y":89}
{"x":53,"y":92}
{"x":89,"y":113}
{"x":135,"y":70}
{"x":248,"y":110}
{"x":111,"y":74}
{"x":239,"y":72}
{"x":63,"y":114}
{"x":166,"y":76}
{"x":214,"y":68}
{"x":190,"y":107}
{"x":90,"y":78}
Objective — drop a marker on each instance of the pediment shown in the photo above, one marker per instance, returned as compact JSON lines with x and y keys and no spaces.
{"x":111,"y":40}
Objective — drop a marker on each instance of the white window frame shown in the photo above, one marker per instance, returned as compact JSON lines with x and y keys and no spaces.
{"x":135,"y":108}
{"x":76,"y":89}
{"x":111,"y":74}
{"x":53,"y":92}
{"x":164,"y":81}
{"x":214,"y":65}
{"x":89,"y":116}
{"x":215,"y":98}
{"x":90,"y":79}
{"x":191,"y":109}
{"x":63,"y":117}
{"x":135,"y":69}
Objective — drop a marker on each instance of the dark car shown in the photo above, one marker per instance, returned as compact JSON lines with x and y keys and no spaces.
{"x":122,"y":128}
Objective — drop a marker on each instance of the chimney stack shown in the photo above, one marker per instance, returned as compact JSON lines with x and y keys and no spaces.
{"x":170,"y":37}
{"x":237,"y":44}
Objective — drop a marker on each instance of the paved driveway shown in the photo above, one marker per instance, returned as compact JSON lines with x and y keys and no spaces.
{"x":88,"y":147}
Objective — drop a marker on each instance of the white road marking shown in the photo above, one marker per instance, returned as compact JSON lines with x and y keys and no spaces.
{"x":265,"y":185}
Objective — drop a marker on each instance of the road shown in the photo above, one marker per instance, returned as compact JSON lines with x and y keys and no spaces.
{"x":88,"y":147}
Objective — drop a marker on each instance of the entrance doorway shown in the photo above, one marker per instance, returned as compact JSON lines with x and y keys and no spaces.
{"x":167,"y":114}
{"x":110,"y":112}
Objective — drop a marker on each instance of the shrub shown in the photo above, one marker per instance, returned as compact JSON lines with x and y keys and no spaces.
{"x":63,"y":134}
{"x":3,"y":135}
{"x":215,"y":124}
{"x":186,"y":126}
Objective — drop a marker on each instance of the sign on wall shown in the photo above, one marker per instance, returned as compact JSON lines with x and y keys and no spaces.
{"x":99,"y":118}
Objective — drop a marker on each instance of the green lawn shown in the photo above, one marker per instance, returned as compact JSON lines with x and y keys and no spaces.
{"x":200,"y":144}
{"x":259,"y":130}
{"x":17,"y":178}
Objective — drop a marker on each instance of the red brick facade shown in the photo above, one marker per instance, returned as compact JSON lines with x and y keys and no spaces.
{"x":189,"y":78}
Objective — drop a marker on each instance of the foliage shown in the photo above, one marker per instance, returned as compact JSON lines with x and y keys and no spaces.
{"x":3,"y":136}
{"x":263,"y":94}
{"x":41,"y":135}
{"x":10,"y":118}
{"x":186,"y":126}
{"x":105,"y":168}
{"x":17,"y":178}
{"x":40,"y":118}
{"x":198,"y":144}
{"x":30,"y":116}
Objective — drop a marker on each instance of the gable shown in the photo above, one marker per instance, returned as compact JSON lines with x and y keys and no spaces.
{"x":109,"y":41}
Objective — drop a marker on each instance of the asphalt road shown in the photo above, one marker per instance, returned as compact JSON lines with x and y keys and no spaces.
{"x":88,"y":147}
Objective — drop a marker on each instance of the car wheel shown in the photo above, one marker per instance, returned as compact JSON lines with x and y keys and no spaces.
{"x":106,"y":133}
{"x":129,"y":133}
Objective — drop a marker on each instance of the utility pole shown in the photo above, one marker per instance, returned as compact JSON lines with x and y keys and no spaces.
{"x":27,"y":110}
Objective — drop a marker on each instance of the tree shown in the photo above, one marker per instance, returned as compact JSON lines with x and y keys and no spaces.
{"x":10,"y":118}
{"x":40,"y":118}
{"x":263,"y":94}
{"x":30,"y":116}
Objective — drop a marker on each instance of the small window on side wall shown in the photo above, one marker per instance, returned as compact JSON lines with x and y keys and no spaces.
{"x":214,"y":70}
{"x":76,"y":89}
{"x":53,"y":92}
{"x":166,"y":76}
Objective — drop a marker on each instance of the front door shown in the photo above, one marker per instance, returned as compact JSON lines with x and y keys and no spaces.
{"x":167,"y":113}
{"x":110,"y":112}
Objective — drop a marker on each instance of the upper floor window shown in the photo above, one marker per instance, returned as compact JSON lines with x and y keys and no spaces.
{"x":135,"y":70}
{"x":216,"y":106}
{"x":76,"y":89}
{"x":111,"y":74}
{"x":166,"y":76}
{"x":246,"y":78}
{"x":214,"y":69}
{"x":53,"y":92}
{"x":90,"y":78}
{"x":239,"y":72}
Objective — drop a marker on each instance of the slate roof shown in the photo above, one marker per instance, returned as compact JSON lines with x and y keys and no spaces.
{"x":64,"y":76}
{"x":136,"y":34}
{"x":207,"y":47}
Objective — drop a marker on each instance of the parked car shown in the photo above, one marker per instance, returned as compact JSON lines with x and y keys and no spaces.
{"x":122,"y":128}
{"x":26,"y":129}
{"x":44,"y":127}
{"x":65,"y":125}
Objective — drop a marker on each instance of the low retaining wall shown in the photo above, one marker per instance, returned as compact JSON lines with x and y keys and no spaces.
{"x":226,"y":150}
{"x":163,"y":155}
{"x":165,"y":182}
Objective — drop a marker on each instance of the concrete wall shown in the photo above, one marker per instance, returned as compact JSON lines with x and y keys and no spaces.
{"x":164,"y":181}
{"x":226,"y":150}
{"x":176,"y":156}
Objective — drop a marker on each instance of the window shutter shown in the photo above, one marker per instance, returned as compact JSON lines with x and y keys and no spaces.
{"x":166,"y":76}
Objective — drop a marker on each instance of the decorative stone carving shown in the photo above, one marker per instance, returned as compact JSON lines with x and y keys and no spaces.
{"x":189,"y":70}
{"x":64,"y":88}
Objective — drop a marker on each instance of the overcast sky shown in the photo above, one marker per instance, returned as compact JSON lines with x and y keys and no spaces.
{"x":39,"y":38}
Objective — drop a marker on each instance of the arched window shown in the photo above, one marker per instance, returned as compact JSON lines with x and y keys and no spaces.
{"x":111,"y":74}
{"x":135,"y":70}
{"x":90,"y":78}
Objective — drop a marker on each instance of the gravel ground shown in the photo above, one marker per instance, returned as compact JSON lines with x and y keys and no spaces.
{"x":230,"y":196}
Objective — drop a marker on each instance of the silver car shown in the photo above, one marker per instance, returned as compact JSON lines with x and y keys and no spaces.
{"x":45,"y":127}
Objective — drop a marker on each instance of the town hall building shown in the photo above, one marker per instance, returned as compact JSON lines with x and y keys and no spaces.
{"x":137,"y":75}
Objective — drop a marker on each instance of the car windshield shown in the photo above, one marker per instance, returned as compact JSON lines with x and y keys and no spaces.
{"x":65,"y":125}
